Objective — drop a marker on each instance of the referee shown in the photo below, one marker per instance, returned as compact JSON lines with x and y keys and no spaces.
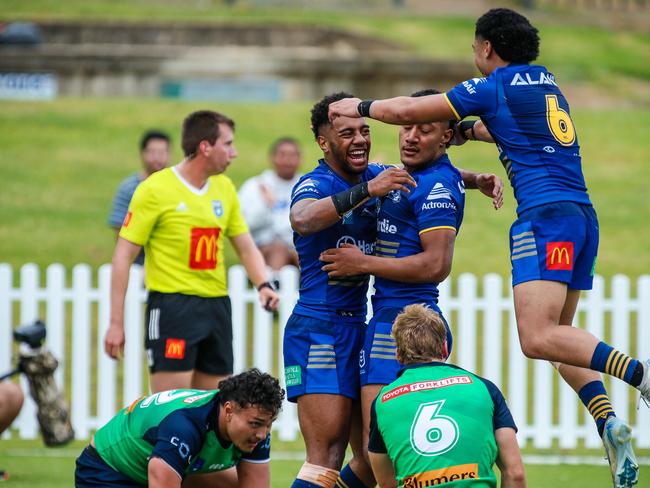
{"x":181,"y":215}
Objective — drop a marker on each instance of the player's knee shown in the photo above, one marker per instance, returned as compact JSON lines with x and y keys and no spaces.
{"x":533,"y":347}
{"x":318,"y":475}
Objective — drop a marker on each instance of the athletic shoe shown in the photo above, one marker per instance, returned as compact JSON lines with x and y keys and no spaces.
{"x":644,"y":387}
{"x":617,"y":438}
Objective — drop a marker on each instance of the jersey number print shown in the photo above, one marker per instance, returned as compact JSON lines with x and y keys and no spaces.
{"x":559,"y":122}
{"x":432,"y":433}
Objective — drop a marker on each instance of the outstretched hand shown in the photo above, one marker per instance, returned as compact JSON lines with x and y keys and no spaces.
{"x":346,"y":107}
{"x":492,"y":186}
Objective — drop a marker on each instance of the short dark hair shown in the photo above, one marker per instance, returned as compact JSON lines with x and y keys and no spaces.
{"x":252,"y":388}
{"x":202,"y":125}
{"x":432,"y":91}
{"x":319,"y":112}
{"x":153,"y":134}
{"x":512,"y":36}
{"x":283,"y":140}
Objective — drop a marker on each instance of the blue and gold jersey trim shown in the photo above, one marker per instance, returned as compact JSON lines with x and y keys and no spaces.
{"x":453,"y":109}
{"x":428,"y":229}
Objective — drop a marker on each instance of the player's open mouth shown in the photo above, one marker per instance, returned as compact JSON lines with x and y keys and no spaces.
{"x":358,"y":156}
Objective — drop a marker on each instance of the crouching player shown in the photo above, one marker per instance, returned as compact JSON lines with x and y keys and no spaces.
{"x":437,"y":423}
{"x":159,"y":440}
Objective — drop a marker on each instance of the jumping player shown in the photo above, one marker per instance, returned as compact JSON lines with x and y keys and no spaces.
{"x":555,"y":239}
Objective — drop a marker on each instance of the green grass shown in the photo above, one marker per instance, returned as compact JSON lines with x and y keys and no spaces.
{"x":61,"y":162}
{"x":29,"y":465}
{"x":574,"y":51}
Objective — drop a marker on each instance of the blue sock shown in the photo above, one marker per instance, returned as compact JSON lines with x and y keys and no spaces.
{"x":347,"y":479}
{"x":303,"y":484}
{"x":595,"y":398}
{"x":608,"y":360}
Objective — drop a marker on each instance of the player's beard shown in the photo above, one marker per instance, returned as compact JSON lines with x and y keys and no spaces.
{"x":340,"y":157}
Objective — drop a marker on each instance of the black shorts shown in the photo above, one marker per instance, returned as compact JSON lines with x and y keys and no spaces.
{"x":185,"y":332}
{"x":93,"y":472}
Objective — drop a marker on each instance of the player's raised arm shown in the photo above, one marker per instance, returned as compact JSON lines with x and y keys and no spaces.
{"x":398,"y":110}
{"x":309,"y":216}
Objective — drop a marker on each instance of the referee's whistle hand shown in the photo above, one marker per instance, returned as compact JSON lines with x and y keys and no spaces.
{"x":269,"y":299}
{"x":114,"y":341}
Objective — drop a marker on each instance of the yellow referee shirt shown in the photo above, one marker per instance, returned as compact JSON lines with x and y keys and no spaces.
{"x":182,"y":229}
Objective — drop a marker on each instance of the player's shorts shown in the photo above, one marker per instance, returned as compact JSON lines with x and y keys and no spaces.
{"x":555,"y":242}
{"x":322,"y":356}
{"x":93,"y":472}
{"x":378,"y":363}
{"x":184,"y":332}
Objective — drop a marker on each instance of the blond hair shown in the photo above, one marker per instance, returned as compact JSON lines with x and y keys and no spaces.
{"x":420,"y":334}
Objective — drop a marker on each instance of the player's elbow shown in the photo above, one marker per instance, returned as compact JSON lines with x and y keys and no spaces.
{"x":301,"y":225}
{"x":514,"y":477}
{"x":435,"y":271}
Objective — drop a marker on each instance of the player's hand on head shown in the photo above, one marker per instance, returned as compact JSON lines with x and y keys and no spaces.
{"x":346,"y":107}
{"x":458,"y":139}
{"x":492,"y":186}
{"x":390,"y":179}
{"x":269,"y":299}
{"x":114,"y":341}
{"x":346,"y":260}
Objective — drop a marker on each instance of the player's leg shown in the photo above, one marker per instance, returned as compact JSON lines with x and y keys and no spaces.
{"x":171,"y":380}
{"x":357,"y":473}
{"x":322,"y":375}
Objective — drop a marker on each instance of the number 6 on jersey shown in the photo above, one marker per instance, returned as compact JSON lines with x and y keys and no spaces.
{"x":433,"y":434}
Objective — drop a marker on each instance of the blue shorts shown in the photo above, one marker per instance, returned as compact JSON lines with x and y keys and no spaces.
{"x":322,"y":356}
{"x":93,"y":472}
{"x":377,"y":362}
{"x":555,"y":242}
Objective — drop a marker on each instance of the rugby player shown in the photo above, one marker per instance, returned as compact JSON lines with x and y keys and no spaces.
{"x":416,"y":233}
{"x":161,"y":439}
{"x":554,"y":241}
{"x":332,"y":205}
{"x":470,"y":419}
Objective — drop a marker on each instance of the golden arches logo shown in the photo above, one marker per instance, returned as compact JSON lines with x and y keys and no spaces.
{"x":206,"y":248}
{"x":560,"y":255}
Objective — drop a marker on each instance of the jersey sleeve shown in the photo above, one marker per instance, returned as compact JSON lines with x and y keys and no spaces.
{"x":236,"y":223}
{"x":434,"y":205}
{"x":376,"y":442}
{"x":142,"y":215}
{"x":310,"y":188}
{"x":120,"y":206}
{"x":261,"y":453}
{"x":502,"y":416}
{"x":472,"y":97}
{"x":177,"y":441}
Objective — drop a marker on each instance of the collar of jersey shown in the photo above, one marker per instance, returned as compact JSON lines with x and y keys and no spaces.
{"x":420,"y":365}
{"x":197,"y":191}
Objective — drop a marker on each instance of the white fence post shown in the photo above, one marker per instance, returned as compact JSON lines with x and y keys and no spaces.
{"x":495,"y":307}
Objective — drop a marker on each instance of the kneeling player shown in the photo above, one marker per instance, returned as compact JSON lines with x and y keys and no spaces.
{"x":438,"y":423}
{"x":159,"y":440}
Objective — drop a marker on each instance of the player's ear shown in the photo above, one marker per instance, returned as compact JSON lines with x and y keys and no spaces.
{"x":400,"y":356}
{"x":322,"y":143}
{"x":445,"y":350}
{"x":446,"y":137}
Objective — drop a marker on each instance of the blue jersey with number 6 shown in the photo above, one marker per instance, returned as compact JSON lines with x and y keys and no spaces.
{"x":529,"y":119}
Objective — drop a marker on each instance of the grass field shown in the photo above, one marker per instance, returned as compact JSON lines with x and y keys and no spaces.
{"x":61,"y":162}
{"x":30,"y":465}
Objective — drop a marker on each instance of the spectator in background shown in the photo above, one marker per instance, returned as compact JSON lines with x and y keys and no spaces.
{"x":265,"y":204}
{"x":11,"y":401}
{"x":155,"y":154}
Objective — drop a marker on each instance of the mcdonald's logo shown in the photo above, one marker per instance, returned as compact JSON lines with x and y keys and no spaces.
{"x":203,"y":247}
{"x":175,"y":348}
{"x":559,"y":256}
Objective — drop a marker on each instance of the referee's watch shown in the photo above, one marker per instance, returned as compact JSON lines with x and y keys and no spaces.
{"x":266,"y":284}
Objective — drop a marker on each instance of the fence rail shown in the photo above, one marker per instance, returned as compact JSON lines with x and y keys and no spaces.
{"x":76,"y":311}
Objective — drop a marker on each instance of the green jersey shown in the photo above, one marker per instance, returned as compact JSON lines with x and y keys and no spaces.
{"x":180,"y":427}
{"x":436,"y":422}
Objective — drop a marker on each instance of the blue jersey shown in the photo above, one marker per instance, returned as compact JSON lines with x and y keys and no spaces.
{"x":437,"y":202}
{"x":529,"y":119}
{"x":320,"y":296}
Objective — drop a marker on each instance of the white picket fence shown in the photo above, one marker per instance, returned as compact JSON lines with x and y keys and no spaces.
{"x":485,"y":341}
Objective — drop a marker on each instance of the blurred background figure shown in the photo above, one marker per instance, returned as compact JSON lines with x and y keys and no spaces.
{"x":265,"y":204}
{"x":11,"y":400}
{"x":155,"y":154}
